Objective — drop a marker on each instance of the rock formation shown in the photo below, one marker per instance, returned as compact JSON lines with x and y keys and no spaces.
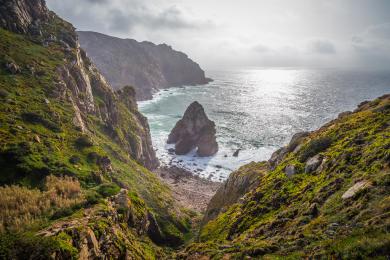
{"x":194,"y":130}
{"x":144,"y":65}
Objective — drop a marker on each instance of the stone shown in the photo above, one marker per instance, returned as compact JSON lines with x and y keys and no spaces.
{"x":358,"y":187}
{"x":194,"y":130}
{"x":236,"y":153}
{"x":313,"y":163}
{"x":13,"y":68}
{"x":37,"y":139}
{"x":290,"y":170}
{"x":105,"y":164}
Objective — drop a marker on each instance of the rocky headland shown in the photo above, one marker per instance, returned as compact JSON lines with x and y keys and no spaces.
{"x":194,"y":130}
{"x":144,"y":65}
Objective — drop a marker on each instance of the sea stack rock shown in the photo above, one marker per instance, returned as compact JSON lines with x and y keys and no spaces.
{"x":195,"y":129}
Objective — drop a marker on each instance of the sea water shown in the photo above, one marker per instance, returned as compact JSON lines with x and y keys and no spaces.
{"x":257,"y":111}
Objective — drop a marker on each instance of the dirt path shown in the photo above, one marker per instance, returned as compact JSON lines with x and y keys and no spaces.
{"x":189,"y":190}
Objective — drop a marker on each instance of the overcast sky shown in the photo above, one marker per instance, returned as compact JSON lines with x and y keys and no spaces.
{"x":262,"y":33}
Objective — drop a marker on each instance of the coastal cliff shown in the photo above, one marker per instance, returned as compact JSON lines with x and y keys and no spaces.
{"x":146,"y":66}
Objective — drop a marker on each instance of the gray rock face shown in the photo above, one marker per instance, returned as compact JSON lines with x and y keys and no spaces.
{"x":19,"y":15}
{"x":313,"y":163}
{"x":235,"y":187}
{"x":290,"y":170}
{"x":293,"y":146}
{"x":144,"y":65}
{"x":195,"y":129}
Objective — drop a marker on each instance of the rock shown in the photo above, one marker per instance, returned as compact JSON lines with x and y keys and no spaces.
{"x":236,"y":153}
{"x":344,"y":114}
{"x":105,"y":164}
{"x":290,"y":170}
{"x":20,"y":15}
{"x":37,"y":139}
{"x":313,"y":163}
{"x":194,"y":130}
{"x":358,"y":187}
{"x":13,"y":68}
{"x":235,"y":187}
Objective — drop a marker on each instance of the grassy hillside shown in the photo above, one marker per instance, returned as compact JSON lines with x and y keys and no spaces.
{"x":62,"y":164}
{"x":327,"y":196}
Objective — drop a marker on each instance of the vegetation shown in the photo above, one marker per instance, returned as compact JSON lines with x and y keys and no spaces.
{"x":304,"y":214}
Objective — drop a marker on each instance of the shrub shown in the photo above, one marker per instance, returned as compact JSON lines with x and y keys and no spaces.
{"x":92,"y":197}
{"x":74,"y":159}
{"x":21,"y":206}
{"x":35,"y":118}
{"x":83,"y":142}
{"x":65,"y":187}
{"x":108,"y":189}
{"x":314,"y":147}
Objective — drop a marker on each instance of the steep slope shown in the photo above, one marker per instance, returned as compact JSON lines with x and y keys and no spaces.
{"x":144,"y":65}
{"x":74,"y":155}
{"x":325,"y":195}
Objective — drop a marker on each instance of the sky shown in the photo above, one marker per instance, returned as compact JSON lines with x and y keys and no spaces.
{"x":222,"y":34}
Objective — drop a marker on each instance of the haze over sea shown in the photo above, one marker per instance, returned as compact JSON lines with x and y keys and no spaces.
{"x":258,"y":111}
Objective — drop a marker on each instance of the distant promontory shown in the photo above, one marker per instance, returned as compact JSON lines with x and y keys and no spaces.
{"x":144,"y":65}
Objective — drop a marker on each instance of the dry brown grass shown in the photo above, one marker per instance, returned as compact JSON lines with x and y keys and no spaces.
{"x":21,"y":206}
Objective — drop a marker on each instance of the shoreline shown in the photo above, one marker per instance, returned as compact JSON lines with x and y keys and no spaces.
{"x":190,"y":190}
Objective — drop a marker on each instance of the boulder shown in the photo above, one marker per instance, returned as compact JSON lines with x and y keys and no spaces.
{"x":13,"y":68}
{"x":290,"y":170}
{"x":358,"y":187}
{"x":236,"y":153}
{"x":313,"y":163}
{"x":194,"y":130}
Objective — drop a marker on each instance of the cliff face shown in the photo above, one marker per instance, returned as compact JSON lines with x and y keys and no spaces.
{"x":69,"y":145}
{"x":325,"y":195}
{"x":144,"y":65}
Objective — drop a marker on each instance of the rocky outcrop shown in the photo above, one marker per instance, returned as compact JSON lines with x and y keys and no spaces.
{"x":236,"y":186}
{"x":293,"y":146}
{"x":144,"y":65}
{"x":194,"y":130}
{"x":20,"y":16}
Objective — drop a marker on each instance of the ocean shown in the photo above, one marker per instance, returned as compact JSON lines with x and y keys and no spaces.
{"x":258,"y":111}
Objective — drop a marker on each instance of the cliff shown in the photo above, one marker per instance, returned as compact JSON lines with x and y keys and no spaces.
{"x":75,"y":155}
{"x":325,"y":195}
{"x":144,"y":65}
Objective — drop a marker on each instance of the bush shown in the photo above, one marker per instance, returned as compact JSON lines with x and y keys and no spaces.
{"x":30,"y":246}
{"x":83,"y":142}
{"x":21,"y":206}
{"x":92,"y":197}
{"x":34,"y":118}
{"x":108,"y":189}
{"x":314,"y":147}
{"x":74,"y":159}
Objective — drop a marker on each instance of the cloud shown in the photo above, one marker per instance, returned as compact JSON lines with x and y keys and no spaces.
{"x":98,"y":1}
{"x":122,"y":16}
{"x":322,"y":47}
{"x":260,"y":48}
